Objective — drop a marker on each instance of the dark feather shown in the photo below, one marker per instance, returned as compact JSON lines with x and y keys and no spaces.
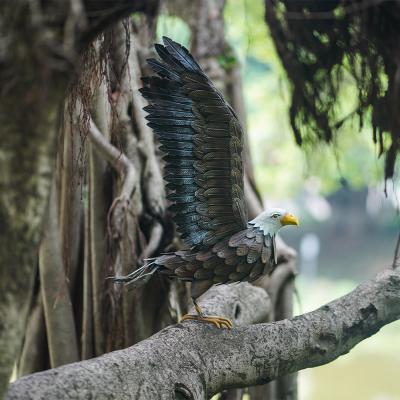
{"x":242,"y":250}
{"x":168,"y":58}
{"x":222,"y":269}
{"x":181,"y":54}
{"x":237,"y":238}
{"x":204,"y":274}
{"x":161,"y":70}
{"x":204,"y":255}
{"x":254,"y":252}
{"x":212,"y":263}
{"x":175,"y":181}
{"x":186,"y":208}
{"x":202,"y":141}
{"x":182,"y":272}
{"x":256,"y":271}
{"x":237,"y":276}
{"x":244,"y":267}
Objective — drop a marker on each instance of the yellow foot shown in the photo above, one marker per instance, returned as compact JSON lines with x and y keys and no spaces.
{"x":219,"y":322}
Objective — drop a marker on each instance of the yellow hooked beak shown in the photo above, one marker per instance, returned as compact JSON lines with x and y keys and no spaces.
{"x":289,"y":219}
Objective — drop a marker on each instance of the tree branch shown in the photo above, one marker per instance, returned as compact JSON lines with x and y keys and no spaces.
{"x":102,"y":14}
{"x":243,"y":303}
{"x":156,"y":232}
{"x":197,"y":360}
{"x":116,"y":158}
{"x":275,"y":282}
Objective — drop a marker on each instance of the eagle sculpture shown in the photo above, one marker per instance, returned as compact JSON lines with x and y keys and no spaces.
{"x":202,"y":142}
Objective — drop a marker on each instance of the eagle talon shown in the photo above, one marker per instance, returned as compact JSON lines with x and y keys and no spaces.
{"x":219,"y":322}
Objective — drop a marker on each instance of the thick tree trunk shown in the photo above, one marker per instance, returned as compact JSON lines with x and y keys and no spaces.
{"x":121,"y":203}
{"x":32,"y":94}
{"x":40,"y":44}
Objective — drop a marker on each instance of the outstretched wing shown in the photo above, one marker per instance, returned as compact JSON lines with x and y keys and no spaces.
{"x":202,"y":140}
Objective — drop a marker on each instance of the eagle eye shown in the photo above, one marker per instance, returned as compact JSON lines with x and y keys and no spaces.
{"x":275,"y":215}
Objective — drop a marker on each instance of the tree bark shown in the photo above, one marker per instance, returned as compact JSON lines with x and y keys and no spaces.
{"x":197,"y":360}
{"x":40,"y":47}
{"x":34,"y":350}
{"x":32,"y":92}
{"x":60,"y":324}
{"x":71,"y":168}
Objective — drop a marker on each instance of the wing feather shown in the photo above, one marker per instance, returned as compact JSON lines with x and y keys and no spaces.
{"x":202,"y":140}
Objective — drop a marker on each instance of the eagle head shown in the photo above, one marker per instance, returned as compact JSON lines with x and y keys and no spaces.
{"x":272,"y":220}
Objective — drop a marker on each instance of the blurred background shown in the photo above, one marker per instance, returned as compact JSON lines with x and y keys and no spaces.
{"x":336,"y":79}
{"x":349,"y":216}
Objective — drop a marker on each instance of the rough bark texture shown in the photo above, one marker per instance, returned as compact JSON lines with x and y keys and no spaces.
{"x":32,"y":88}
{"x":40,"y":47}
{"x":198,"y":360}
{"x":60,"y":324}
{"x":34,"y":354}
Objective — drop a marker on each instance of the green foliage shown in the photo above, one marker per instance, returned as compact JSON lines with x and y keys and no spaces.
{"x":281,"y":167}
{"x":227,"y":60}
{"x":173,"y":27}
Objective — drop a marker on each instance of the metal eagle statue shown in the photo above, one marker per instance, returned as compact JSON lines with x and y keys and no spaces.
{"x":202,"y":140}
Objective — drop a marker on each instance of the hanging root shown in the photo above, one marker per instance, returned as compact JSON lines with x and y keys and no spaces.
{"x":139,"y":276}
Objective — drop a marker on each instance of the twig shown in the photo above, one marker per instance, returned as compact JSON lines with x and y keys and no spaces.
{"x":396,"y":260}
{"x":153,"y":244}
{"x":124,"y":168}
{"x":116,"y":158}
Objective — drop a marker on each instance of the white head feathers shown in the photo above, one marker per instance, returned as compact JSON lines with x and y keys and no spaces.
{"x":272,"y":220}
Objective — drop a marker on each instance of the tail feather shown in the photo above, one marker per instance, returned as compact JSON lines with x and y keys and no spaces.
{"x":139,"y":276}
{"x":181,"y":264}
